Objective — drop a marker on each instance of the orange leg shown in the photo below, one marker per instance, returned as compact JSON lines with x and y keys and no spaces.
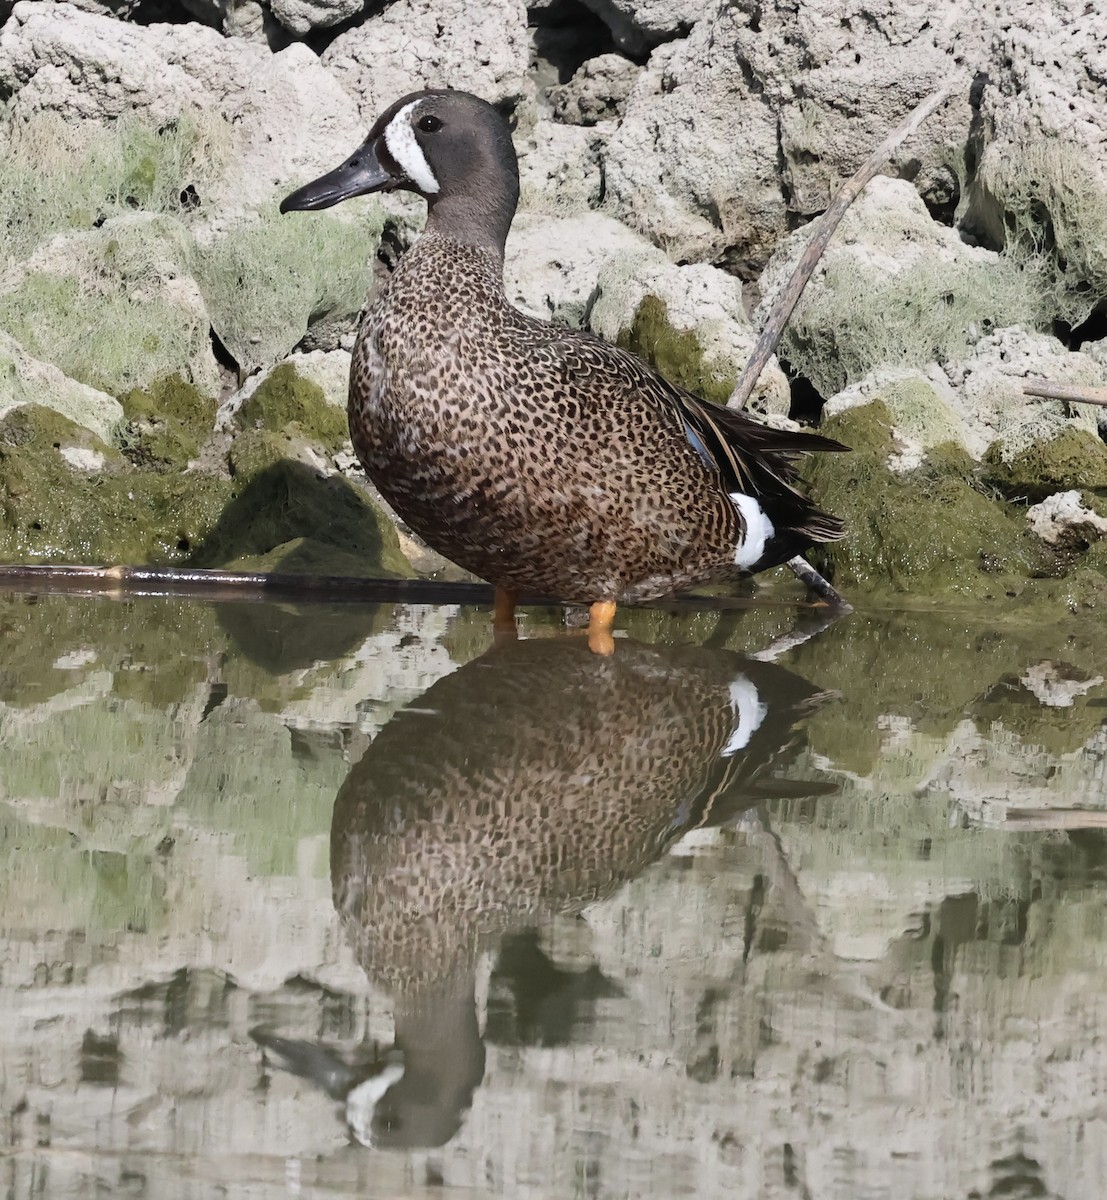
{"x":601,"y":616}
{"x":503,"y":614}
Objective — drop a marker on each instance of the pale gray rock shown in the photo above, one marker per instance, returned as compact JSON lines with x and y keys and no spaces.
{"x":639,"y":25}
{"x":700,"y":300}
{"x":26,"y":380}
{"x":559,"y":167}
{"x":988,"y":385}
{"x":763,"y":109}
{"x":56,"y":58}
{"x":895,"y":286}
{"x":1066,"y":522}
{"x":552,"y":263}
{"x":597,"y":92}
{"x":302,"y":16}
{"x":1043,"y":143}
{"x":693,"y":165}
{"x":286,"y":115}
{"x":479,"y":48}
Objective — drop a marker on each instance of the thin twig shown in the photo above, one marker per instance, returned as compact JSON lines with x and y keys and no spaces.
{"x":788,"y":298}
{"x":1074,"y":393}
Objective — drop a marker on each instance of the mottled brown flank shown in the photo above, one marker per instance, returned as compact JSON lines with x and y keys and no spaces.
{"x":537,"y":457}
{"x":556,"y":776}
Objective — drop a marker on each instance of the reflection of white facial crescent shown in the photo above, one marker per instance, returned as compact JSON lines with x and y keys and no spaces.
{"x":362,"y":1102}
{"x":749,"y":712}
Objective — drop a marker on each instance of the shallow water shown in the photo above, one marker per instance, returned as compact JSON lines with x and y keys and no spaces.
{"x":336,"y":902}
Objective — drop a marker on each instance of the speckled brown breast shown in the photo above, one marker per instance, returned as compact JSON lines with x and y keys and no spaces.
{"x":531,"y":455}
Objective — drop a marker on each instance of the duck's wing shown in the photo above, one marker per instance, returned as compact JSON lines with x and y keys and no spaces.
{"x":750,"y":458}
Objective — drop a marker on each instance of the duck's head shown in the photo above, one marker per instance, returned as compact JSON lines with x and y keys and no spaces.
{"x":451,"y":148}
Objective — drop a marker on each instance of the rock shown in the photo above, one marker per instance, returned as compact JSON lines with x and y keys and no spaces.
{"x":559,"y":168}
{"x":552,"y":264}
{"x":1058,"y":685}
{"x":25,"y":380}
{"x":922,"y":406}
{"x":988,"y":386}
{"x":267,"y":276}
{"x":895,"y":286}
{"x":1043,"y":146}
{"x":479,"y":48}
{"x":679,"y":172}
{"x":286,"y":115}
{"x":1065,"y":521}
{"x":302,"y":16}
{"x":597,"y":92}
{"x":639,"y":25}
{"x":689,"y":321}
{"x":763,"y":109}
{"x":116,"y":307}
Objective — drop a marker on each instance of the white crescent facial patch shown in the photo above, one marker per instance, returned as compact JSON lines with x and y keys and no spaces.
{"x":399,"y":137}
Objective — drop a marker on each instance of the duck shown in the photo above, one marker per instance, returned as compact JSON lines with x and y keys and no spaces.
{"x":538,"y":457}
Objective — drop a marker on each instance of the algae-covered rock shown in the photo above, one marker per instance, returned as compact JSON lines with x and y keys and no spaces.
{"x":285,"y":399}
{"x":116,"y":306}
{"x":922,"y":408}
{"x":268,"y":276}
{"x":167,"y":423}
{"x":688,"y":321}
{"x":1074,"y":458}
{"x":25,"y":380}
{"x":929,"y":532}
{"x":895,"y":286}
{"x":50,"y":513}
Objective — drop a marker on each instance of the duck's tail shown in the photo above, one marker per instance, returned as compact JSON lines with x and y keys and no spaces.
{"x":759,"y":461}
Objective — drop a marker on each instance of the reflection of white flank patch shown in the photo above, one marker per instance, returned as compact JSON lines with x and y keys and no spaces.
{"x":362,"y":1102}
{"x":758,"y":530}
{"x":749,"y":712}
{"x":400,"y":139}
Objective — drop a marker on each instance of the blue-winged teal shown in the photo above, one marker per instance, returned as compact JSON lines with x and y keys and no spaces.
{"x":538,"y":457}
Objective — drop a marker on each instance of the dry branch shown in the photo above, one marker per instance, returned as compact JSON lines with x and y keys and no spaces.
{"x":1073,"y":393}
{"x":788,"y":298}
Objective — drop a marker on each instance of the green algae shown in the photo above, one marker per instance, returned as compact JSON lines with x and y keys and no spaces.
{"x":167,"y":423}
{"x":285,"y":398}
{"x":50,"y":513}
{"x":1075,"y":458}
{"x":675,"y":353}
{"x":930,"y":532}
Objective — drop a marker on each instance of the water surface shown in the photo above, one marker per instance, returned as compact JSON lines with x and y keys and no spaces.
{"x":348,"y":902}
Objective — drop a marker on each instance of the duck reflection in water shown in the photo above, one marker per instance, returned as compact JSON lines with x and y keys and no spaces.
{"x":534,"y":780}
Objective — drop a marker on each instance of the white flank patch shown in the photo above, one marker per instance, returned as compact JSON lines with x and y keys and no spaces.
{"x":362,"y":1102}
{"x":749,"y":712}
{"x":758,"y":530}
{"x":399,"y":137}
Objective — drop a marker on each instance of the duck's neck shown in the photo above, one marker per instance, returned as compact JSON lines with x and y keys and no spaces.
{"x":477,"y":216}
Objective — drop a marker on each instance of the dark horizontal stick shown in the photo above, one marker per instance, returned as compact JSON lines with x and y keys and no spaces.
{"x":251,"y":586}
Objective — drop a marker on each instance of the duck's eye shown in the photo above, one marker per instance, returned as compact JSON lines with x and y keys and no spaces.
{"x":430,"y":123}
